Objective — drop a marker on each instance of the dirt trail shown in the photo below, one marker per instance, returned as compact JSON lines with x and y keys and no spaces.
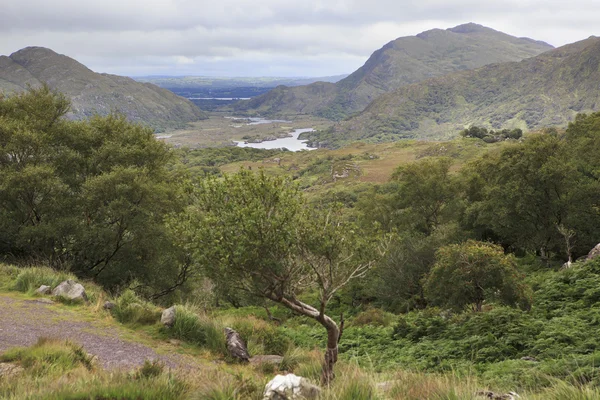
{"x":23,"y":322}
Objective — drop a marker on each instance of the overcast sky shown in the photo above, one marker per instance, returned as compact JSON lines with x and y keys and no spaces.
{"x":264,"y":37}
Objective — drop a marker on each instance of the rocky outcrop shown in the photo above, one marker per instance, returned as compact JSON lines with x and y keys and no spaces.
{"x":290,"y":387}
{"x":595,"y":252}
{"x":236,"y":345}
{"x":108,"y":305}
{"x":168,"y":317}
{"x":8,"y":370}
{"x":70,"y":290}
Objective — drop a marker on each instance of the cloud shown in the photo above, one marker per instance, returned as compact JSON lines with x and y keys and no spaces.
{"x":243,"y":37}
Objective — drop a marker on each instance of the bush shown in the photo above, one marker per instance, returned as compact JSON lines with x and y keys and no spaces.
{"x":129,"y":308}
{"x":372,"y":316}
{"x":262,"y":336}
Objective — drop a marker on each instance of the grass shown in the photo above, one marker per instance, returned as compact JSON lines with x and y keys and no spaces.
{"x":130,"y":309}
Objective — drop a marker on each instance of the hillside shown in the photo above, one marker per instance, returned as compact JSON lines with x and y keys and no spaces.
{"x":403,"y":61}
{"x":548,"y":90}
{"x":91,"y":92}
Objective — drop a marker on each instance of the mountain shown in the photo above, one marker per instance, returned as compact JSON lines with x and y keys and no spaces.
{"x":403,"y":61}
{"x":91,"y":92}
{"x":209,"y":82}
{"x":547,"y":90}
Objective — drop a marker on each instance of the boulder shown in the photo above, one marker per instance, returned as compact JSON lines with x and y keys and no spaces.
{"x":43,"y":290}
{"x":595,"y":252}
{"x":267,"y":359}
{"x":108,"y":305}
{"x":70,"y":290}
{"x":290,"y":387}
{"x":168,"y":317}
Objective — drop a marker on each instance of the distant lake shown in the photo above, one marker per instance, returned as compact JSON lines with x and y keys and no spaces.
{"x":291,"y":143}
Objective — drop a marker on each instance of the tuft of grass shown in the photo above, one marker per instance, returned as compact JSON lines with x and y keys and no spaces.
{"x":373,"y":317}
{"x":150,"y":369}
{"x":49,"y":356}
{"x":130,"y":309}
{"x":198,"y":329}
{"x":8,"y":274}
{"x":31,"y":278}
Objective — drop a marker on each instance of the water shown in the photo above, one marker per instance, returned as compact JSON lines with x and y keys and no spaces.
{"x":259,"y":121}
{"x":291,"y":143}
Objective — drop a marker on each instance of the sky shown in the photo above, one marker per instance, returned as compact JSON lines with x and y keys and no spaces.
{"x":285,"y":38}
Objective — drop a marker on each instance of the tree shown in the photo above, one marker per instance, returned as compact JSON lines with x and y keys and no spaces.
{"x":254,"y":233}
{"x":425,"y":195}
{"x":473,"y":272}
{"x":90,"y":196}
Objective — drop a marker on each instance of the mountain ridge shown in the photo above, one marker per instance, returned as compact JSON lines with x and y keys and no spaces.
{"x":546,"y":90}
{"x":92,"y":92}
{"x":400,"y":62}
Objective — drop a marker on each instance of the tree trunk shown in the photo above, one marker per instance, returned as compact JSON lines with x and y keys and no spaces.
{"x":331,"y":353}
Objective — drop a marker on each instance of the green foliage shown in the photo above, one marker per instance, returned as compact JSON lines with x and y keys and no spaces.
{"x":473,"y":272}
{"x":150,"y":369}
{"x":198,"y":330}
{"x":372,"y":316}
{"x":492,"y":136}
{"x":130,"y":309}
{"x":90,"y":195}
{"x":31,"y":278}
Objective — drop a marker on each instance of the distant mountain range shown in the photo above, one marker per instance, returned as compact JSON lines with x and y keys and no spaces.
{"x":547,"y":90}
{"x":91,"y":92}
{"x":177,"y":83}
{"x":401,"y":62}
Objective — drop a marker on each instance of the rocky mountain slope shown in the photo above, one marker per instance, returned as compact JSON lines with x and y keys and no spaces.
{"x":403,"y":61}
{"x":547,"y":90}
{"x":91,"y":92}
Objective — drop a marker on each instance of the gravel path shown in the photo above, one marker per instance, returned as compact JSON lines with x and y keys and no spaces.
{"x":23,"y":322}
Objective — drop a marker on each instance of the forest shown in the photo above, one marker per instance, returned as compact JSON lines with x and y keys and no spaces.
{"x":479,"y":270}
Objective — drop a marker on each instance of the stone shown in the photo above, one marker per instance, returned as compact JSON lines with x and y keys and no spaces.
{"x":236,"y":346}
{"x":70,"y":290}
{"x":108,"y":305}
{"x":266,"y":359}
{"x":595,"y":252}
{"x":290,"y":387}
{"x":8,"y":370}
{"x":42,"y":300}
{"x":529,"y":358}
{"x":43,"y":290}
{"x":497,"y":396}
{"x":168,"y":317}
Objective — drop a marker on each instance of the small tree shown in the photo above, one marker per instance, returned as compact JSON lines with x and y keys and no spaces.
{"x":254,"y":233}
{"x":472,"y":272}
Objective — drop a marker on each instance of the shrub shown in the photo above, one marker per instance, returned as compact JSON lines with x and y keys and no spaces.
{"x":150,"y":369}
{"x":198,"y":329}
{"x":129,"y":308}
{"x":372,"y":316}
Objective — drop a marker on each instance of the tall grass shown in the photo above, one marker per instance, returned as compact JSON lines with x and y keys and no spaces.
{"x":129,"y":308}
{"x":31,"y":278}
{"x":198,"y":329}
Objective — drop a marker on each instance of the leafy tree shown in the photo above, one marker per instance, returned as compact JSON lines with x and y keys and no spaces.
{"x":91,"y":196}
{"x":253,"y":233}
{"x":426,"y":194}
{"x":473,"y":272}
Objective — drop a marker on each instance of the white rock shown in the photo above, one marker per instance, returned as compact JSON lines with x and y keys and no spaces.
{"x":70,"y":290}
{"x":290,"y":387}
{"x":168,"y":316}
{"x":43,"y":290}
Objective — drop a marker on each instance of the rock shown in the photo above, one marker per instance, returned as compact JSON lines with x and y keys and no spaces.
{"x":175,"y":342}
{"x":290,"y":387}
{"x":42,"y":300}
{"x":595,"y":252}
{"x":268,"y":359}
{"x":70,"y":290}
{"x":8,"y":370}
{"x":108,"y":305}
{"x":236,"y":346}
{"x":168,"y":317}
{"x":497,"y":396}
{"x":43,"y":290}
{"x":529,"y":358}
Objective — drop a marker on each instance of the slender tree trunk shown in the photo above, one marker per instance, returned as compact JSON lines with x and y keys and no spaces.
{"x":331,"y":352}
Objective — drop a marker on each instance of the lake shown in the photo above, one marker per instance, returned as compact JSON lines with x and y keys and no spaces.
{"x":291,"y":143}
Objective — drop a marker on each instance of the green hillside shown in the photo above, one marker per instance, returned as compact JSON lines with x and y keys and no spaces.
{"x":92,"y":93}
{"x":547,"y":90}
{"x":401,"y":62}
